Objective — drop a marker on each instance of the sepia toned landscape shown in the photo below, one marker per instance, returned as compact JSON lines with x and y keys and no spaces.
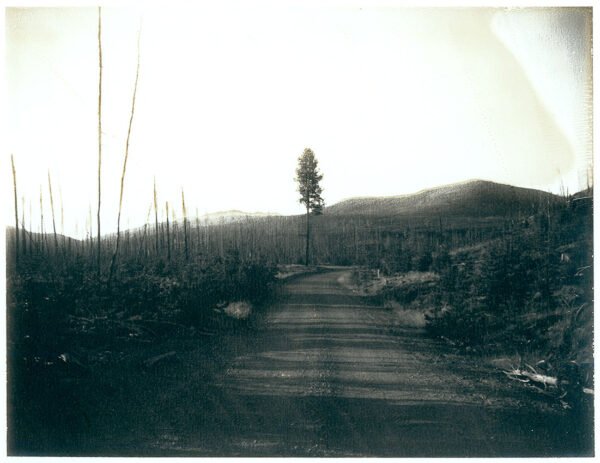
{"x":443,"y":308}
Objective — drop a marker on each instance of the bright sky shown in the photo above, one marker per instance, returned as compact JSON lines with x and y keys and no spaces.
{"x":391,"y":100}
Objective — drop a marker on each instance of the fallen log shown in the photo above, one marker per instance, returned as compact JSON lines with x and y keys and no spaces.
{"x":535,"y":378}
{"x":518,"y":374}
{"x":539,"y":378}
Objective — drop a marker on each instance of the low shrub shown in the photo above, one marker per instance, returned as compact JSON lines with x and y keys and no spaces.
{"x":530,"y":291}
{"x":52,"y":309}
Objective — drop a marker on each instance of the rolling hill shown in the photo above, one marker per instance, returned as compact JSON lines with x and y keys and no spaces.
{"x":475,"y":198}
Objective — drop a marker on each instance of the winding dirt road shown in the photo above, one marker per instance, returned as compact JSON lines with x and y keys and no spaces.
{"x":329,"y":377}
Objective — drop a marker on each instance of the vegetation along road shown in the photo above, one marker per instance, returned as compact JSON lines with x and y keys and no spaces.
{"x":328,"y":377}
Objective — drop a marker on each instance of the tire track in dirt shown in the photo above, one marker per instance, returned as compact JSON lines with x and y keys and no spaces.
{"x":328,"y":377}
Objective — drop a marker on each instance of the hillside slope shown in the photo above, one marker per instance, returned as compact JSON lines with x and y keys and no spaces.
{"x":477,"y":198}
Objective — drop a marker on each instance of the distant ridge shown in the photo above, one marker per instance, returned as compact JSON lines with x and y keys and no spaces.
{"x":237,"y":213}
{"x":211,"y":218}
{"x":232,"y":215}
{"x":474,"y":198}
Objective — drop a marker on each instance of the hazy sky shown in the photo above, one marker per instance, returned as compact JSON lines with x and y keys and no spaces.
{"x":391,"y":100}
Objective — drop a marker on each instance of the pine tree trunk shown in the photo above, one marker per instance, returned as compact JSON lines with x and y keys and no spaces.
{"x":307,"y":232}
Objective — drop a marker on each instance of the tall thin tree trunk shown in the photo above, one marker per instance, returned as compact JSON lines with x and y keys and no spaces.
{"x":355,"y":245}
{"x":221,"y":233}
{"x":30,"y":228}
{"x":185,"y":237}
{"x":168,"y":235}
{"x":206,"y":234}
{"x":52,"y":209}
{"x":143,"y":240}
{"x":156,"y":216}
{"x":99,"y":130}
{"x":307,"y":232}
{"x":14,"y":172}
{"x":198,"y":230}
{"x":23,"y":236}
{"x":41,"y":221}
{"x":127,"y":239}
{"x":62,"y":221}
{"x":90,"y":232}
{"x":174,"y":231}
{"x":137,"y":73}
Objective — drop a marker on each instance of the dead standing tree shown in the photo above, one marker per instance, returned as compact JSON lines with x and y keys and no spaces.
{"x":184,"y":225}
{"x":53,"y":217}
{"x":23,"y":235}
{"x":156,"y":216}
{"x":42,"y":232}
{"x":137,"y":73}
{"x":168,"y":233}
{"x":99,"y":127}
{"x":143,"y":240}
{"x":14,"y":172}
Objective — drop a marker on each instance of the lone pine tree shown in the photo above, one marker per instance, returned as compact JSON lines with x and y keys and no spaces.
{"x":308,"y":178}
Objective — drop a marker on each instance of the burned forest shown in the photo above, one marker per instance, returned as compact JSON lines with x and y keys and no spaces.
{"x":453,"y":321}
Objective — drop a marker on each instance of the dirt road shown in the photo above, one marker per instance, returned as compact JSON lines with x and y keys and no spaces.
{"x":329,"y":377}
{"x":322,"y":374}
